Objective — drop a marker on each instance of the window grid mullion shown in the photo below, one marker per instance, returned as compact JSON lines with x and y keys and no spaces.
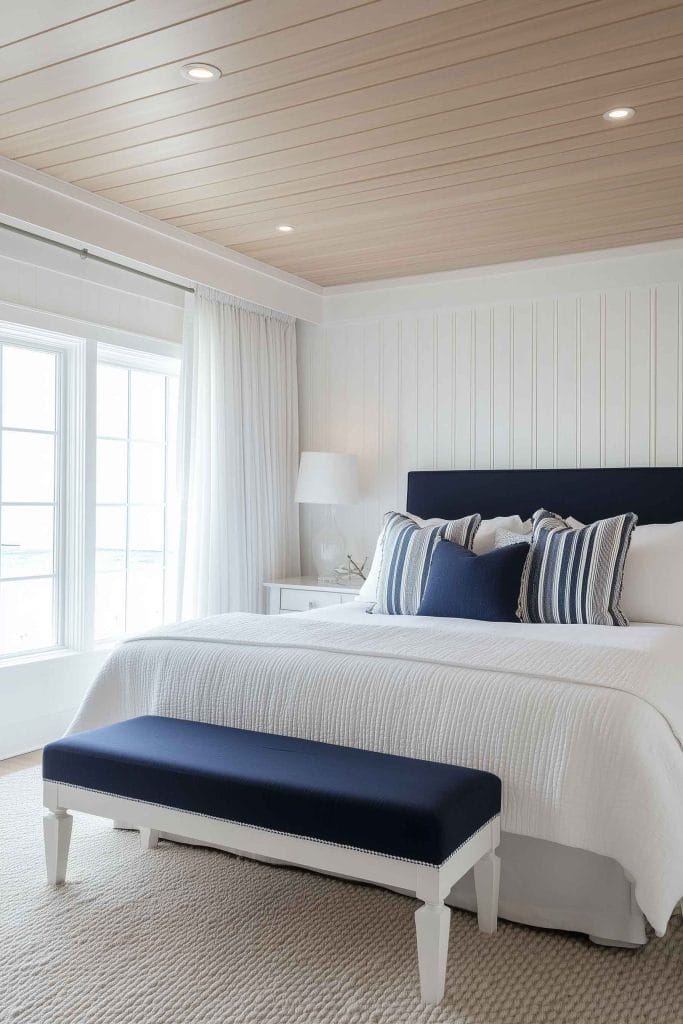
{"x":164,"y":553}
{"x":33,"y":576}
{"x":141,"y":440}
{"x":58,"y":538}
{"x":2,"y":348}
{"x":36,"y":430}
{"x":127,"y":562}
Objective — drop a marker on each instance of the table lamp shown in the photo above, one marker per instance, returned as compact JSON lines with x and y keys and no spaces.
{"x":329,"y":479}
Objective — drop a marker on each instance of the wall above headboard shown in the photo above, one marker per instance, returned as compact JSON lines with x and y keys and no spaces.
{"x":583,"y":368}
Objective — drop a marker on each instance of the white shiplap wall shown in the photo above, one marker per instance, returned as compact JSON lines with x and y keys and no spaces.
{"x":558,"y":377}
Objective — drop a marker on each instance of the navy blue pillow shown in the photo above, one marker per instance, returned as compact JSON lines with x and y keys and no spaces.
{"x":462,"y":585}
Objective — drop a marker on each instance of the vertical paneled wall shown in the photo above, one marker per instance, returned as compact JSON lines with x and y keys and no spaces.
{"x":567,"y":379}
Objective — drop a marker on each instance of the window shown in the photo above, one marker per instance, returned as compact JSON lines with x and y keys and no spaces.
{"x":87,"y":460}
{"x":30,"y":452}
{"x":135,"y":584}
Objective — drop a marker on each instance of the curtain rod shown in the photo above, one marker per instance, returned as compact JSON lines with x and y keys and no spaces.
{"x":85,"y":254}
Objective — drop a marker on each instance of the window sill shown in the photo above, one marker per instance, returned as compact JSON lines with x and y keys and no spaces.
{"x":50,"y":654}
{"x":43,"y":659}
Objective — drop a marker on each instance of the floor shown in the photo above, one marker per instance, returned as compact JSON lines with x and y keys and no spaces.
{"x":9,"y":765}
{"x":187,"y":935}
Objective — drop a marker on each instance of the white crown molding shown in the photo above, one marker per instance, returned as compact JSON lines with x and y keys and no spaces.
{"x":595,"y":270}
{"x":32,"y":199}
{"x":496,"y":269}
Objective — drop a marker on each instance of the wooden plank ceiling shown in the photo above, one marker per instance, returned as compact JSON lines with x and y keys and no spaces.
{"x":395,"y":136}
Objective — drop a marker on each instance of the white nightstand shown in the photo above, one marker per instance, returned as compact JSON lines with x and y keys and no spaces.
{"x":300,"y":593}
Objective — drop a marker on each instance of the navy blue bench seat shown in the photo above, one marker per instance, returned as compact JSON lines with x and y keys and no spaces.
{"x":416,"y":810}
{"x":432,"y":816}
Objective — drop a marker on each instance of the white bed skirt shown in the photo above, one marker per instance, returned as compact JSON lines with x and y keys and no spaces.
{"x":550,"y":886}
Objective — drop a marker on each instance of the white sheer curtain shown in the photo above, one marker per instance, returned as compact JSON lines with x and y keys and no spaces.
{"x":238,"y":453}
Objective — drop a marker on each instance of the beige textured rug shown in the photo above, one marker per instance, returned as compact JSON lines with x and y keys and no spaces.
{"x":194,"y":936}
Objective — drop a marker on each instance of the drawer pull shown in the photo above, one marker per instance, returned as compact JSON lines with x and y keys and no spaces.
{"x":294,"y":600}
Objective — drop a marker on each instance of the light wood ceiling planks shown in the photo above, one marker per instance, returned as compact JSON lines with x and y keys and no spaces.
{"x":397,"y":137}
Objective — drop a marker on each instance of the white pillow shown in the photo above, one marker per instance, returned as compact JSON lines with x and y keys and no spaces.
{"x":504,"y":537}
{"x":485,"y":538}
{"x":652,"y":590}
{"x":653,"y":576}
{"x":368,"y":592}
{"x":483,"y":541}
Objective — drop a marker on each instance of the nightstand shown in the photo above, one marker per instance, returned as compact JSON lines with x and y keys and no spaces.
{"x":300,"y":593}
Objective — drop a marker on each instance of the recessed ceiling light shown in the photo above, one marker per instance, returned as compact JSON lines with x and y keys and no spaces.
{"x":285,"y":228}
{"x":619,"y":114}
{"x":200,"y":72}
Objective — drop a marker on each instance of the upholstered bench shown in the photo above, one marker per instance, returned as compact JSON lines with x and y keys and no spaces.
{"x":394,"y":821}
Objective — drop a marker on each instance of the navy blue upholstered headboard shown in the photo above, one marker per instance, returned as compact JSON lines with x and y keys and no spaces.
{"x":656,"y":494}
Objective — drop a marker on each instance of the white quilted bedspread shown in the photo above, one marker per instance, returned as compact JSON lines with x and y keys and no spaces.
{"x":586,"y":734}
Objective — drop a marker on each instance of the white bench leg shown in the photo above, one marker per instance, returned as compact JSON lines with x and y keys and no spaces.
{"x":149,"y":838}
{"x":487,"y":885}
{"x":432,"y":923}
{"x":57,"y":835}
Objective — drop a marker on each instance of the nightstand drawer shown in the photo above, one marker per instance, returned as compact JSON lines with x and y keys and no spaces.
{"x":302,"y":600}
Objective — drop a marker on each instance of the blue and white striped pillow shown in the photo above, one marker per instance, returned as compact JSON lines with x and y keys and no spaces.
{"x":407,"y":550}
{"x":575,"y":576}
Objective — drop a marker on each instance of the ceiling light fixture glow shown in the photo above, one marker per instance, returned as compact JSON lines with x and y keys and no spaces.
{"x":200,"y":72}
{"x":285,"y":228}
{"x":618,"y":114}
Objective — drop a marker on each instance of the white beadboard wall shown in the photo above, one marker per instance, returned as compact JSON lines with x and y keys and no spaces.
{"x":555,"y":377}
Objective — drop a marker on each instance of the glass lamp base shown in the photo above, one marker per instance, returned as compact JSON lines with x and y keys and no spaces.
{"x":328,"y":549}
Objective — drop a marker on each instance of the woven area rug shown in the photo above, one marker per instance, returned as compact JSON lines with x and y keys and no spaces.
{"x":194,"y":936}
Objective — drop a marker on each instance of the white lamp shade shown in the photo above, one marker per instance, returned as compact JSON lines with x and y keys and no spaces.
{"x":327,"y":478}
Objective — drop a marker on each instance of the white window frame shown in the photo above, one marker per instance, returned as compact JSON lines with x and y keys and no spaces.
{"x":129,"y":359}
{"x":69,"y":440}
{"x":76,"y":420}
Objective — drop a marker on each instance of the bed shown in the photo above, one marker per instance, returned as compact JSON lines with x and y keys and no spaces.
{"x":584,"y":724}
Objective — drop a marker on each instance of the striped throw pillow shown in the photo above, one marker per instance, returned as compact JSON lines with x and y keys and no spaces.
{"x":407,"y":550}
{"x":575,"y":576}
